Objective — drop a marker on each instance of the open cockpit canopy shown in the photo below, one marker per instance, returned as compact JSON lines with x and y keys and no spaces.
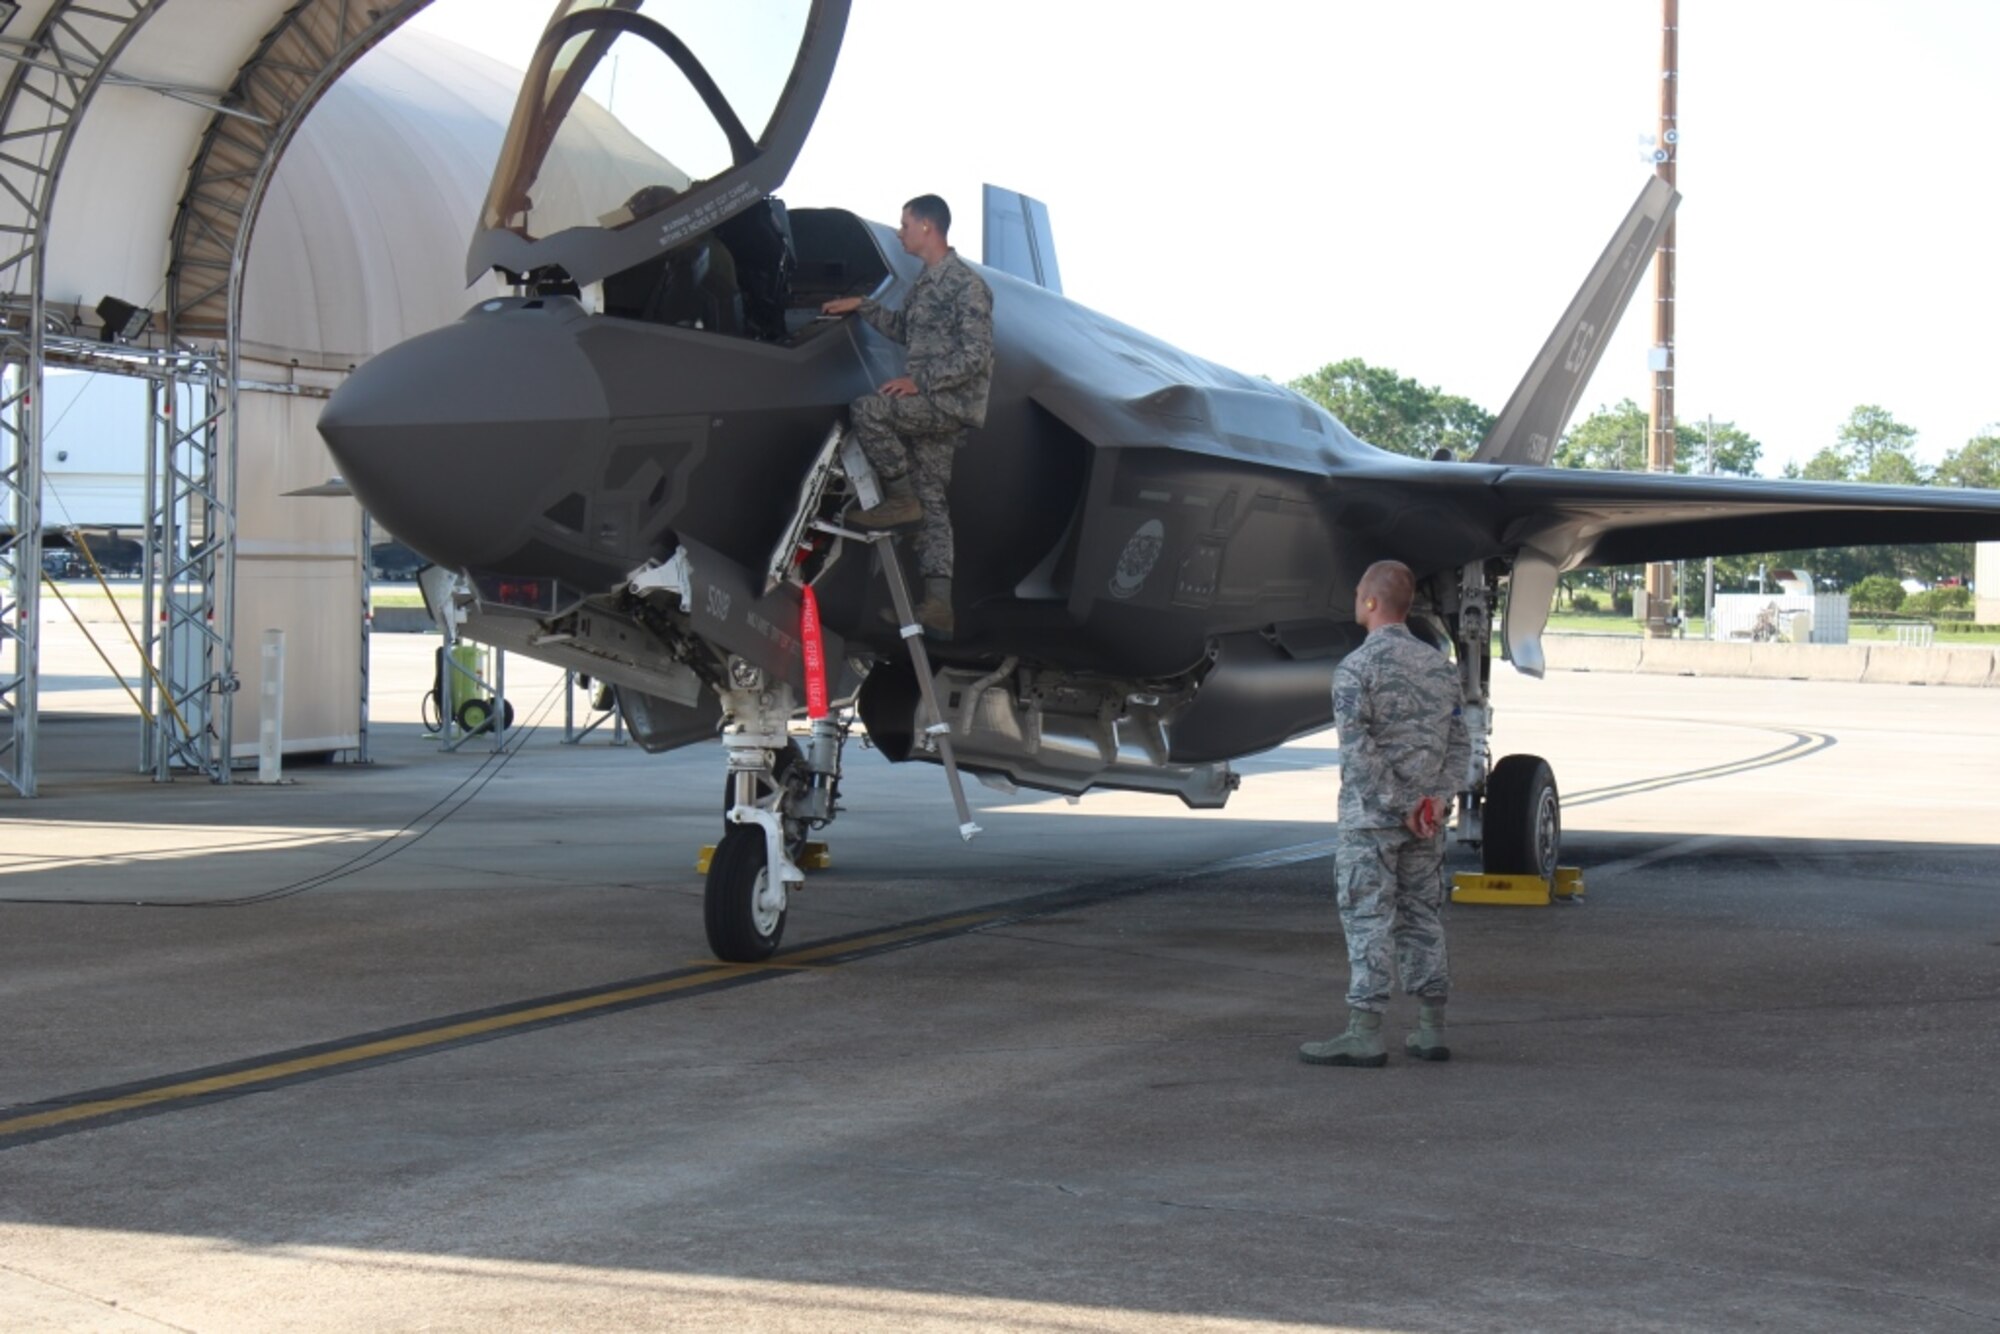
{"x":642,"y":123}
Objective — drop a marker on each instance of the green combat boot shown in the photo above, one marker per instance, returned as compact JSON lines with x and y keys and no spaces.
{"x":1427,"y":1043}
{"x":934,"y":612}
{"x":1361,"y":1044}
{"x":899,"y":507}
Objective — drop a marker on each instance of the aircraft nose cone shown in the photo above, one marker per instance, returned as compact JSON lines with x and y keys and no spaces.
{"x":458,"y":439}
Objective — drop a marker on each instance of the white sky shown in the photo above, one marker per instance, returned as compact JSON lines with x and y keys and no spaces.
{"x":1279,"y":185}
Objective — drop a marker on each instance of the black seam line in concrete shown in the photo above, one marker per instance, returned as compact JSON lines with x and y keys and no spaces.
{"x":46,"y":1119}
{"x":108,"y":1306}
{"x":1799,"y":747}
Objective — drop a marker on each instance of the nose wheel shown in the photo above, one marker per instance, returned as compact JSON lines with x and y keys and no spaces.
{"x":743,"y":904}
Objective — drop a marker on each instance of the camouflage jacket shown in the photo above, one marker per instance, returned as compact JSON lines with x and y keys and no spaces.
{"x":947,"y":323}
{"x":1396,"y":703}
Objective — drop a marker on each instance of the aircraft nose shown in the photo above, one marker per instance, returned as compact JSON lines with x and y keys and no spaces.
{"x":456,"y":440}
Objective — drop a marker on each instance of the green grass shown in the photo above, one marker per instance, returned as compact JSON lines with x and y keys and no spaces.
{"x":1859,"y":631}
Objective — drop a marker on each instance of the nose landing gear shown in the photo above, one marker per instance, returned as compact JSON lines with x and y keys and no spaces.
{"x":778,"y":792}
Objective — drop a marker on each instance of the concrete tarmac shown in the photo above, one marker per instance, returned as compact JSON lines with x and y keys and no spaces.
{"x":438,"y":1044}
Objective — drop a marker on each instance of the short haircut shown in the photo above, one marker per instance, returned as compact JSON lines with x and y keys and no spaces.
{"x":933,"y":210}
{"x":1391,"y":583}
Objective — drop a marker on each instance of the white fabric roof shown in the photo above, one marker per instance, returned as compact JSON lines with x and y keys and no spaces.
{"x":112,"y":220}
{"x":362,"y":238}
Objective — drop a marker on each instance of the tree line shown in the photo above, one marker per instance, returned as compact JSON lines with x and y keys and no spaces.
{"x":1395,"y":413}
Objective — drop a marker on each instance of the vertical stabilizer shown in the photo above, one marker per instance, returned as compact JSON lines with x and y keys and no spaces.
{"x":1535,"y":416}
{"x":1018,"y":239}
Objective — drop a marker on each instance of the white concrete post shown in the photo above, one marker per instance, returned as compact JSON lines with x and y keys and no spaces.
{"x":271,"y":726}
{"x":1986,"y":583}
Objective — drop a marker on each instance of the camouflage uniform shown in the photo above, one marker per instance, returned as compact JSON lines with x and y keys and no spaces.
{"x":1396,"y":702}
{"x":947,"y":323}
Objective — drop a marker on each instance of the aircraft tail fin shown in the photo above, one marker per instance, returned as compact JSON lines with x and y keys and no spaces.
{"x":1540,"y":408}
{"x":1018,"y":238}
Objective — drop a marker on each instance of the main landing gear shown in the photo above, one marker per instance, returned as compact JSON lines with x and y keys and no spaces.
{"x":1511,"y":811}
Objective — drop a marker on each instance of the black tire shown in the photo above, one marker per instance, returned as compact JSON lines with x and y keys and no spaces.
{"x":476,"y":715}
{"x":1523,"y":818}
{"x":738,"y":931}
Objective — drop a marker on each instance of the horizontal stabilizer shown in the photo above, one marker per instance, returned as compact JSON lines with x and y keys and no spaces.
{"x":1018,"y":238}
{"x":1535,"y":416}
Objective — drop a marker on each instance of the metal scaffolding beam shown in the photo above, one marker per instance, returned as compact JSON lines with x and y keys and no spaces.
{"x":41,"y":106}
{"x":190,"y":570}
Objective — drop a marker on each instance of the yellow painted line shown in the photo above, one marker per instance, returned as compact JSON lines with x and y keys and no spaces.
{"x":888,"y":937}
{"x":431,"y":1037}
{"x":769,"y":966}
{"x":791,"y":963}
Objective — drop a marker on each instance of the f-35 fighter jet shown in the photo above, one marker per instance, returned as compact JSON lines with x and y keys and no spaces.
{"x":636,"y":466}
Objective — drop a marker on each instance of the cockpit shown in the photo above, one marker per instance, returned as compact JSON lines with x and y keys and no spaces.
{"x":637,"y":171}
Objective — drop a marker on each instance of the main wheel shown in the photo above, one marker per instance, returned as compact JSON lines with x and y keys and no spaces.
{"x":742,"y":907}
{"x":1523,"y":824}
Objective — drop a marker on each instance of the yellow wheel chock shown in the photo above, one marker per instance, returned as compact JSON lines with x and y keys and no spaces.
{"x":816,"y":857}
{"x":1475,"y":887}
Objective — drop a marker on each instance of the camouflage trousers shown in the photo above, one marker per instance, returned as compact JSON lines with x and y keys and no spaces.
{"x":1391,"y":891}
{"x":911,"y":437}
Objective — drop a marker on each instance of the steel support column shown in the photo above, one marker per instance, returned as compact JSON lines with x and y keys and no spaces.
{"x":190,"y":549}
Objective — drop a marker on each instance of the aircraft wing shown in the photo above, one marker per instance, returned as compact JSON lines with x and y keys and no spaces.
{"x":1544,"y":521}
{"x":1580,"y":517}
{"x":1439,"y":515}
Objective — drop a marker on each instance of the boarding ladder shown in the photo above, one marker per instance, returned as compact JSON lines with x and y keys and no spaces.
{"x":841,"y":473}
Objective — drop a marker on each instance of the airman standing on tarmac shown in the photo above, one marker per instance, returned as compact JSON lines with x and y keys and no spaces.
{"x":910,"y":427}
{"x":1404,"y":752}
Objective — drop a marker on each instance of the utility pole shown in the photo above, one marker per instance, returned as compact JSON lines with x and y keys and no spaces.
{"x":1660,"y":404}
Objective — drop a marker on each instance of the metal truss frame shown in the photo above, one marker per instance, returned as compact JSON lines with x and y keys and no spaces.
{"x":43,"y":102}
{"x":190,"y":574}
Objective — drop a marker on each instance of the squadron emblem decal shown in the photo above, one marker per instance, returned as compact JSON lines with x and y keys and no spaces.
{"x":1141,"y":554}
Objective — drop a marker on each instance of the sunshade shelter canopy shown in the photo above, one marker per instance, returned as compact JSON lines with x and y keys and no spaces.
{"x":160,"y":153}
